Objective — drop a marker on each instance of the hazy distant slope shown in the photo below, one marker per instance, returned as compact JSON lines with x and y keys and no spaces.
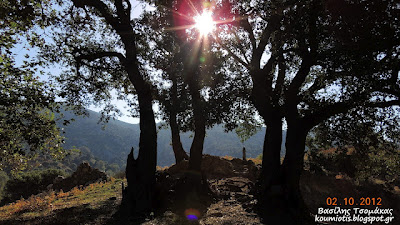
{"x":114,"y":142}
{"x":111,"y":144}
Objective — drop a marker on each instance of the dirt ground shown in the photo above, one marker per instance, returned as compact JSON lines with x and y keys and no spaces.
{"x":232,"y":202}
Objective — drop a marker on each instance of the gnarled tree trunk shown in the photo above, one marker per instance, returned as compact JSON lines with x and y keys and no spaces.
{"x":196,"y":150}
{"x":293,"y":163}
{"x":292,"y":168}
{"x":140,"y":172}
{"x":177,"y":147}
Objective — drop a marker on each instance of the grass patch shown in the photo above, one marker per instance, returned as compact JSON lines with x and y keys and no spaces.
{"x":45,"y":203}
{"x":256,"y":161}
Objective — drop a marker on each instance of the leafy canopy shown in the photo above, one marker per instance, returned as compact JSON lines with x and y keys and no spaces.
{"x":27,"y":124}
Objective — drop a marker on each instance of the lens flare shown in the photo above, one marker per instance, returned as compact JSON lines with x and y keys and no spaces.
{"x":192,"y":214}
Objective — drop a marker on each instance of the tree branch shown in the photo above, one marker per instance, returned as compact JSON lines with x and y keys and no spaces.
{"x":97,"y":55}
{"x":299,"y":79}
{"x":281,"y":77}
{"x":323,"y":113}
{"x":121,"y":11}
{"x":99,"y":6}
{"x":383,"y":104}
{"x":327,"y":111}
{"x":128,"y":10}
{"x":319,"y":83}
{"x":266,"y":34}
{"x":247,"y":27}
{"x":241,"y":49}
{"x":120,"y":8}
{"x":237,"y":58}
{"x":267,"y":72}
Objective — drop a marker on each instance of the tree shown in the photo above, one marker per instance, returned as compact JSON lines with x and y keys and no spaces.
{"x":97,"y":45}
{"x":308,"y":62}
{"x":27,"y":124}
{"x":367,"y":143}
{"x":194,"y":91}
{"x":247,"y":129}
{"x":164,"y":55}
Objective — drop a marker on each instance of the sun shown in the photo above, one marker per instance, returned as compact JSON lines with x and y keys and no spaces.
{"x":204,"y":22}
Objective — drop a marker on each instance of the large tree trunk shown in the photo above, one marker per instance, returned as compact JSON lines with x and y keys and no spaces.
{"x":140,"y":172}
{"x":273,"y":135}
{"x":270,"y":194}
{"x":271,"y":153}
{"x":292,"y":168}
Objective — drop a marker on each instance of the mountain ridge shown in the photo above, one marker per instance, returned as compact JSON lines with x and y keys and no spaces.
{"x":113,"y":143}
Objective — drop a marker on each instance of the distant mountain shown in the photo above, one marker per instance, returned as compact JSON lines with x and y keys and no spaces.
{"x":113,"y":143}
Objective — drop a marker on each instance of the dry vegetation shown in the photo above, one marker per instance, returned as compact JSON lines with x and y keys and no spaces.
{"x":97,"y":203}
{"x":49,"y":203}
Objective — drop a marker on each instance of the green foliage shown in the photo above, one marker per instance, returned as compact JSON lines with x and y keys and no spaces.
{"x":3,"y":180}
{"x":383,"y":164}
{"x":363,"y":144}
{"x":220,"y":98}
{"x":29,"y":183}
{"x":119,"y":175}
{"x":90,"y":75}
{"x":27,"y":124}
{"x":246,"y":129}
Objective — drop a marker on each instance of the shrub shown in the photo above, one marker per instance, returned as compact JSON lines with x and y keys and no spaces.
{"x":29,"y":183}
{"x":120,"y":174}
{"x":377,"y":163}
{"x":77,"y":191}
{"x":3,"y":180}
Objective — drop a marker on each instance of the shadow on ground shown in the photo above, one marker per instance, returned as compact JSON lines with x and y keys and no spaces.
{"x":83,"y":214}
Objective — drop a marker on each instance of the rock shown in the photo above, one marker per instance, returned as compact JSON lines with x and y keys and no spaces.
{"x":58,"y":179}
{"x":83,"y":176}
{"x":215,"y":167}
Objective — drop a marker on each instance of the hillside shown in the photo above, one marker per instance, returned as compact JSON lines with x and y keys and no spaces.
{"x":113,"y":143}
{"x":233,"y":199}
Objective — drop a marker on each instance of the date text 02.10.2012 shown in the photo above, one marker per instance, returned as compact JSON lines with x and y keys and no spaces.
{"x":354,"y":201}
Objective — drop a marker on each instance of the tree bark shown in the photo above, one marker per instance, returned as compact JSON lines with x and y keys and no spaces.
{"x":140,"y":172}
{"x":177,"y":147}
{"x":196,"y":150}
{"x":192,"y":78}
{"x":270,"y":173}
{"x":292,"y":167}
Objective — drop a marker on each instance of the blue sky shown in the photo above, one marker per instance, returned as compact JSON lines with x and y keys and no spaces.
{"x":22,"y":49}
